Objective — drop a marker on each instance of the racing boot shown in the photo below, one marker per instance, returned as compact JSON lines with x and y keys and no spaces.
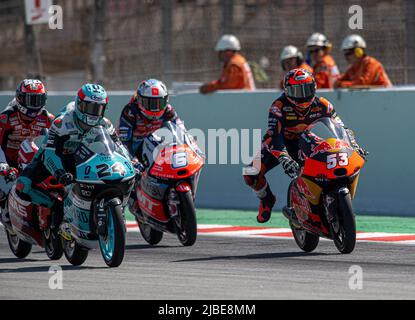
{"x":267,"y":202}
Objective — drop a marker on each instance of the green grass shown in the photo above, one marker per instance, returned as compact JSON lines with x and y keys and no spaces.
{"x":248,"y":218}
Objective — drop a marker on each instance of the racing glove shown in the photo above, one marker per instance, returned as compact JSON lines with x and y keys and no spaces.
{"x":139,"y":168}
{"x":290,"y":167}
{"x":9,"y":173}
{"x":64,"y":178}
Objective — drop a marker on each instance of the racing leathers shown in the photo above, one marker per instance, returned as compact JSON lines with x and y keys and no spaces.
{"x":57,"y":155}
{"x":14,"y":129}
{"x":133,"y":128}
{"x":286,"y":123}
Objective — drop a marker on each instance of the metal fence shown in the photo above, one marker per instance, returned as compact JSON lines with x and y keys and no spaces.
{"x":120,"y":42}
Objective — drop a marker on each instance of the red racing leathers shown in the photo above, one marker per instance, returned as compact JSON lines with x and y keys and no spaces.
{"x":14,"y":129}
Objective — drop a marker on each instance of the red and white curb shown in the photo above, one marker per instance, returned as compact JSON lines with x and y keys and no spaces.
{"x":285,"y":233}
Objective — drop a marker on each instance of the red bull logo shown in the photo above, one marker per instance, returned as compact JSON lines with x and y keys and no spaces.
{"x":330,"y":145}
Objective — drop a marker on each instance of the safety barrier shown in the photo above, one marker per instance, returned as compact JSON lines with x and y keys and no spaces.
{"x":381,"y":119}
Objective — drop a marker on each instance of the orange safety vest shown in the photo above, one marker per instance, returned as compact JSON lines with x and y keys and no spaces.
{"x":236,"y":74}
{"x":366,"y":72}
{"x":326,"y":72}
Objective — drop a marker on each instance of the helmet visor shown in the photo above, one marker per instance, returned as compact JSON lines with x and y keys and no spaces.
{"x":34,"y":100}
{"x":153,"y":104}
{"x":92,"y":108}
{"x":301,"y":91}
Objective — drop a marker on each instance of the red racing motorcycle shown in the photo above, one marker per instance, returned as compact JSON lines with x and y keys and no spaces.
{"x":166,"y":191}
{"x":31,"y":224}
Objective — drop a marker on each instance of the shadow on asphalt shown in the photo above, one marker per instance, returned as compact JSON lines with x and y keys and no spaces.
{"x":16,"y":260}
{"x":46,"y":269}
{"x":148,"y":246}
{"x":273,"y":255}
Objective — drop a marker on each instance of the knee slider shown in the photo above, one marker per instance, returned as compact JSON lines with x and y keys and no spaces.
{"x":251,"y":175}
{"x":24,"y":185}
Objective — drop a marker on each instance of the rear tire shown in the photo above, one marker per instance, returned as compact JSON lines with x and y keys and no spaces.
{"x":344,"y":234}
{"x":113,"y":247}
{"x":150,"y":235}
{"x":53,"y":244}
{"x":75,"y":253}
{"x":305,"y":241}
{"x":186,"y":221}
{"x":20,"y":248}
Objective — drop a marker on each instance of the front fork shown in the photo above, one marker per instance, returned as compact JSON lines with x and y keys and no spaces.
{"x":101,"y":214}
{"x":330,"y":202}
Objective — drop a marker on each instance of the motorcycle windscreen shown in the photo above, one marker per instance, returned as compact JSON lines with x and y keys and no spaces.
{"x":321,"y":133}
{"x":172,"y":134}
{"x":99,"y":141}
{"x":327,"y":128}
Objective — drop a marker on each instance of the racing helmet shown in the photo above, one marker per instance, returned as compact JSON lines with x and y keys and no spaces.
{"x":31,"y":97}
{"x":152,"y":98}
{"x":91,"y":104}
{"x":300,"y":88}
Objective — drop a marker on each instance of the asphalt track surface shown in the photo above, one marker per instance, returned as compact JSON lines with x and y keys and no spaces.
{"x":216,"y":268}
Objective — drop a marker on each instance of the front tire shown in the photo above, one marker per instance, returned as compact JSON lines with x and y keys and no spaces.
{"x":150,"y":235}
{"x":344,"y":230}
{"x":186,"y":221}
{"x":20,"y":248}
{"x":113,"y":245}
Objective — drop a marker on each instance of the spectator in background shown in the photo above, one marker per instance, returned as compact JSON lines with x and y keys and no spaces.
{"x":325,"y":68}
{"x":363,"y":71}
{"x":236,"y":72}
{"x":292,"y":58}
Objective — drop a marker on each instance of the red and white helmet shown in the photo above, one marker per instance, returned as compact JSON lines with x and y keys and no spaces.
{"x":152,"y":98}
{"x":31,"y":97}
{"x":300,"y":88}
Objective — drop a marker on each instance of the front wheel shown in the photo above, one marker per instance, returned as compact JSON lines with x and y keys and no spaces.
{"x":112,"y":245}
{"x":20,"y":248}
{"x":150,"y":235}
{"x":186,"y":220}
{"x":343,"y":230}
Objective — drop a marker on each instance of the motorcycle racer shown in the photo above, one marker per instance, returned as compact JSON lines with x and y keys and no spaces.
{"x":289,"y":116}
{"x":56,"y":157}
{"x":24,"y":117}
{"x":146,"y":112}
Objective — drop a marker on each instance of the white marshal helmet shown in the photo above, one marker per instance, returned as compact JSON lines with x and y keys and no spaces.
{"x":290,"y":52}
{"x":318,"y":40}
{"x":228,"y":42}
{"x":353,"y":41}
